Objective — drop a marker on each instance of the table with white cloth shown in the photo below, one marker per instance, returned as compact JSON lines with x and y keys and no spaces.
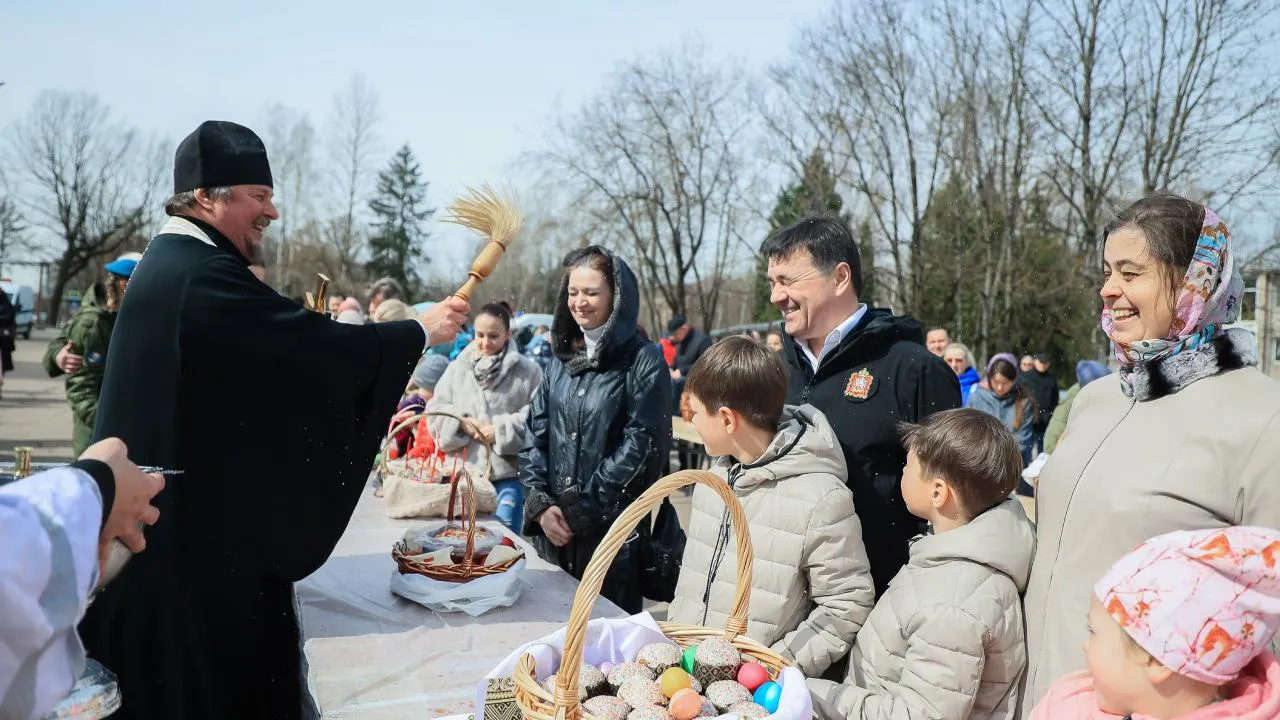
{"x":374,"y":655}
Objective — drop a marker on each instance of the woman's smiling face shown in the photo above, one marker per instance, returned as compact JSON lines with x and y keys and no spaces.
{"x":1135,"y":290}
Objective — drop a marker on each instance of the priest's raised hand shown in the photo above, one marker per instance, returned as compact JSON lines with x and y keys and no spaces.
{"x":273,"y":412}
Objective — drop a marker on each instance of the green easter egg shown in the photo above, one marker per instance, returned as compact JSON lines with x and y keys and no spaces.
{"x":686,"y":660}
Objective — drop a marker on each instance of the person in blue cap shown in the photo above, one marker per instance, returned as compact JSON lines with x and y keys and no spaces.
{"x":80,"y":350}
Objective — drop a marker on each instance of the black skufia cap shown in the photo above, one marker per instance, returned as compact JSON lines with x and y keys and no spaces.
{"x":220,"y":154}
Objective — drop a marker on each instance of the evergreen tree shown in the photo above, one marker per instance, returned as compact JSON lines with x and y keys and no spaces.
{"x":400,"y":204}
{"x":813,"y":194}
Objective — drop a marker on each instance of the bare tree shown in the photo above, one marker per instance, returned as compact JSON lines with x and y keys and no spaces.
{"x":658,"y":158}
{"x":871,"y":85}
{"x":1208,"y":99}
{"x":290,"y":139}
{"x":353,"y":145}
{"x":89,"y":179}
{"x":1088,"y":100}
{"x":991,"y":150}
{"x":12,"y":229}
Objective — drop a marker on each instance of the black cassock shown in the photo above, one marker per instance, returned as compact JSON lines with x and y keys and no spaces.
{"x":275,"y":414}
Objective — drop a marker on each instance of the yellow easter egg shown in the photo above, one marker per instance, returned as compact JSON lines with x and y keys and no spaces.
{"x":673,"y":680}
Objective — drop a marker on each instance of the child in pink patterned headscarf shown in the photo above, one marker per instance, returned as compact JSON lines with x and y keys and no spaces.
{"x":1179,"y":628}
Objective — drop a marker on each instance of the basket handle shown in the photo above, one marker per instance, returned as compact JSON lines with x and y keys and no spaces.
{"x":469,"y":510}
{"x":566,"y":690}
{"x":413,"y":420}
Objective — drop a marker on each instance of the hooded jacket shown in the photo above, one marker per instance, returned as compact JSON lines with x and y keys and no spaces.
{"x":903,"y":382}
{"x":598,"y":434}
{"x":946,"y":641}
{"x":505,"y":407}
{"x":89,"y":331}
{"x":1254,"y":695}
{"x":811,"y":586}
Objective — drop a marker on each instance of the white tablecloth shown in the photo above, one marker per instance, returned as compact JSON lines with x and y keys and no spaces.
{"x":373,"y":655}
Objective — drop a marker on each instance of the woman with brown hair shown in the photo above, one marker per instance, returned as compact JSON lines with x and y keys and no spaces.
{"x":599,"y":429}
{"x":1007,"y":399}
{"x":1185,"y":436}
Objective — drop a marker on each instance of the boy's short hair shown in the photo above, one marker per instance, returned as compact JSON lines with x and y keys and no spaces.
{"x":972,"y":451}
{"x":743,"y":376}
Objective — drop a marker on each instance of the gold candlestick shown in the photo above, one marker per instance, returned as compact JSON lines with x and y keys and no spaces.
{"x":317,"y":301}
{"x":492,"y":214}
{"x":21,"y":462}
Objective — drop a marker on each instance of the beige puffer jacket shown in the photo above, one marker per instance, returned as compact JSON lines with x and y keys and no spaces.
{"x":946,"y":640}
{"x":811,"y":585}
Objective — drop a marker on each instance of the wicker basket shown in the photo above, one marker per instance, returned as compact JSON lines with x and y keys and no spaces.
{"x":537,"y":704}
{"x":400,"y":421}
{"x":468,"y":569}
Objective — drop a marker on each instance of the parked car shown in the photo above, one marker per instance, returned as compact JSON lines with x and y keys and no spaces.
{"x":24,"y":303}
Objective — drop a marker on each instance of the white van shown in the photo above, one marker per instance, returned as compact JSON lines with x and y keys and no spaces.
{"x":24,"y":303}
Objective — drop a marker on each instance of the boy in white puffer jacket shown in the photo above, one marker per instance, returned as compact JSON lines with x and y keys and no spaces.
{"x":811,"y":581}
{"x":946,"y":640}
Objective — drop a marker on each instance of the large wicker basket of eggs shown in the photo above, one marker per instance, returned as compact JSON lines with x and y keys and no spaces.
{"x":700,"y":672}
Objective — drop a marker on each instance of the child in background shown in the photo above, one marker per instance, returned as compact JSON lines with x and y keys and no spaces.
{"x":811,"y":585}
{"x":946,"y":640}
{"x":422,"y":386}
{"x":1179,"y":628}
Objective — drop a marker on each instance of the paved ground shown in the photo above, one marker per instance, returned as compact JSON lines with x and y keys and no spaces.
{"x":33,"y":408}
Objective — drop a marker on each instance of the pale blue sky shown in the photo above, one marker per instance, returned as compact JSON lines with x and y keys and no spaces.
{"x":469,"y":85}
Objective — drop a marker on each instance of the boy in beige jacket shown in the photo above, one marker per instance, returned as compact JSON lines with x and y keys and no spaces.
{"x":946,"y":641}
{"x":811,"y":583}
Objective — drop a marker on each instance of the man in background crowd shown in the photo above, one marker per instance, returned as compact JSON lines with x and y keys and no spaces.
{"x":382,"y":290}
{"x":80,"y":348}
{"x":690,"y":343}
{"x":1044,"y":388}
{"x":937,"y":341}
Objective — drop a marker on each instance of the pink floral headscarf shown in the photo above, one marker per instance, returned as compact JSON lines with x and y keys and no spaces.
{"x":1208,"y":301}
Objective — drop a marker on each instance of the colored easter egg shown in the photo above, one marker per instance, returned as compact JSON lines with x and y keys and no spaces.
{"x":674,"y":679}
{"x":685,"y":704}
{"x":686,"y":660}
{"x":768,"y":696}
{"x":752,"y":675}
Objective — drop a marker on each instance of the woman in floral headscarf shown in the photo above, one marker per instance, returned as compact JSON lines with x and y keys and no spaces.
{"x":1186,"y":436}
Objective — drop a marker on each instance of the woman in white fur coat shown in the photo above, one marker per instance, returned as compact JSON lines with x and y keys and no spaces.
{"x":490,"y":385}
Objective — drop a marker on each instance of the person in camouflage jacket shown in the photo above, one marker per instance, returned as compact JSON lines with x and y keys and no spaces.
{"x":85,"y":338}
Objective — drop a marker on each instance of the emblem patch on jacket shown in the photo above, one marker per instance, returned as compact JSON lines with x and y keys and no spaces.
{"x":861,"y":385}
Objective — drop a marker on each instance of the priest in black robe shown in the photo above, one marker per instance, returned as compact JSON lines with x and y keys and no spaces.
{"x":273,"y":412}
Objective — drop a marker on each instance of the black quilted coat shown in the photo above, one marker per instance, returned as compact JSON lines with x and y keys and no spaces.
{"x":599,"y":434}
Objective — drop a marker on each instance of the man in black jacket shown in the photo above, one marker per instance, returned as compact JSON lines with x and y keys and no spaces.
{"x":690,"y":344}
{"x":866,"y":370}
{"x":1044,"y":388}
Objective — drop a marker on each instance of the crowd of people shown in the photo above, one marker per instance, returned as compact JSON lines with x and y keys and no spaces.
{"x":876,"y":464}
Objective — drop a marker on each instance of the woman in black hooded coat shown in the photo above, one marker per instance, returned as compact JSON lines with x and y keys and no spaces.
{"x":599,"y":429}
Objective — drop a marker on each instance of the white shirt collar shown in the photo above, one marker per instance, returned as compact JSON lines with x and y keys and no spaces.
{"x":834,"y":338}
{"x":176,"y":225}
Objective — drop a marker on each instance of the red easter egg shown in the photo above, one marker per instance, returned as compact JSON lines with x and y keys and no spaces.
{"x":752,"y":675}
